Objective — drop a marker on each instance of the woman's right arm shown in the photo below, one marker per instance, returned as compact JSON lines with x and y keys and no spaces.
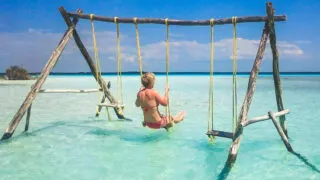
{"x":162,"y":100}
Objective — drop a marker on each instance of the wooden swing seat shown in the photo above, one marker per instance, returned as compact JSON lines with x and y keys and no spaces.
{"x":69,"y":90}
{"x":220,"y":134}
{"x":111,"y":105}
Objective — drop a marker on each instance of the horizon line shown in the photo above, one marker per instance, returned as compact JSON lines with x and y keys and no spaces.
{"x":174,"y":72}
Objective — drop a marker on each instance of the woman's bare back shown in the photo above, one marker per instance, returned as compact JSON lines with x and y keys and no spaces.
{"x":149,"y":105}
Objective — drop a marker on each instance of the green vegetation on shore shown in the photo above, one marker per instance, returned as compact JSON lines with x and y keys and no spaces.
{"x":16,"y":73}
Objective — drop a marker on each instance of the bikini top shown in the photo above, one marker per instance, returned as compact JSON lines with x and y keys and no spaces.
{"x":146,"y":108}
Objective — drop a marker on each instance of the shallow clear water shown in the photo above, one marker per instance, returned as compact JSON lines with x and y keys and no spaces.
{"x":66,"y":141}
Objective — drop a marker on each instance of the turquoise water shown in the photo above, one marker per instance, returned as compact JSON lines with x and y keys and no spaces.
{"x":66,"y":141}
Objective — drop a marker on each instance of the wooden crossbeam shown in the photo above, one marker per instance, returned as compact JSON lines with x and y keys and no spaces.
{"x":69,"y":90}
{"x":178,"y":22}
{"x":264,"y":118}
{"x":220,"y":134}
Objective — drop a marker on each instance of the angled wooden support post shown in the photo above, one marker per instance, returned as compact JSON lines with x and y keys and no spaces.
{"x":280,"y":131}
{"x":275,"y":65}
{"x":28,"y":119}
{"x":102,"y":101}
{"x":26,"y":128}
{"x":233,"y":152}
{"x":43,"y":76}
{"x":91,"y":64}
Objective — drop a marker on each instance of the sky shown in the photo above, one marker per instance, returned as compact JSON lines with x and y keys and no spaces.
{"x":31,"y":29}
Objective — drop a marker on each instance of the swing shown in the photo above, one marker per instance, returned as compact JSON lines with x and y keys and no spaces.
{"x":98,"y":72}
{"x":211,"y":132}
{"x":168,"y":114}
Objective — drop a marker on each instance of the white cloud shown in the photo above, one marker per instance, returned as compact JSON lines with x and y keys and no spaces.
{"x":287,"y":49}
{"x":36,"y":46}
{"x":31,"y":47}
{"x":246,"y":49}
{"x":107,"y":44}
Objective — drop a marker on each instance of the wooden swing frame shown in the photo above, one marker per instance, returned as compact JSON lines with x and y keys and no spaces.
{"x":71,"y":19}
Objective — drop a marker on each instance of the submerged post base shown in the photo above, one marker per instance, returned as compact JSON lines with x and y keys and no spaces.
{"x":6,"y":136}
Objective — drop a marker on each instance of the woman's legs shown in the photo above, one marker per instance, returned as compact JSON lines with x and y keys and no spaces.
{"x":179,"y":117}
{"x":174,"y":119}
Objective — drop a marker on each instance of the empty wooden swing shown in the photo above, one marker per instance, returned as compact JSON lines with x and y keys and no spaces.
{"x":239,"y":120}
{"x":211,"y":131}
{"x":118,"y":105}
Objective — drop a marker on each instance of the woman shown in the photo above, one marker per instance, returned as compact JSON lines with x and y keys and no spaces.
{"x":149,"y":99}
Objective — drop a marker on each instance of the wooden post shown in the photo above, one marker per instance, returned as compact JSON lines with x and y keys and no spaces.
{"x":233,"y":152}
{"x":28,"y":118}
{"x":102,"y":101}
{"x":100,"y":107}
{"x":91,"y":64}
{"x":275,"y":65}
{"x":280,"y":131}
{"x":43,"y":76}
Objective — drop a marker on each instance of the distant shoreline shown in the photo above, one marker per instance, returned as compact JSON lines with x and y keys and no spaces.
{"x":173,"y":73}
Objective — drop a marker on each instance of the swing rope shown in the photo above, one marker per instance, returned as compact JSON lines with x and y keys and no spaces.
{"x":167,"y":56}
{"x":234,"y":90}
{"x":138,"y":44}
{"x":167,"y":67}
{"x":119,"y":63}
{"x":210,"y":108}
{"x":97,"y":62}
{"x":211,"y":102}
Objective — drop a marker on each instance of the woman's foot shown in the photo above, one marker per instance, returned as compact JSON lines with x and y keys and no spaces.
{"x":179,"y":117}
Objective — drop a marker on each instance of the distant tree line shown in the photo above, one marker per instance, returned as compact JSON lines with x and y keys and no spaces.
{"x":16,"y":73}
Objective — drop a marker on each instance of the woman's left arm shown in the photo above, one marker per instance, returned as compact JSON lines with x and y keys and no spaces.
{"x":138,"y":100}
